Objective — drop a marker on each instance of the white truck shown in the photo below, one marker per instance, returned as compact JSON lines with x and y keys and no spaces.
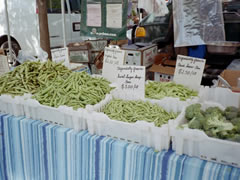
{"x":24,"y":24}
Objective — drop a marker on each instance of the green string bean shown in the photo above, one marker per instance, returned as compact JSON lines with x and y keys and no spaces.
{"x":159,"y":90}
{"x":132,"y":111}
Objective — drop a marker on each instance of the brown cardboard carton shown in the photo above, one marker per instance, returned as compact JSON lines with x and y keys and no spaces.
{"x":162,"y":73}
{"x":79,"y":52}
{"x":140,"y":56}
{"x":231,"y":76}
{"x":119,"y":42}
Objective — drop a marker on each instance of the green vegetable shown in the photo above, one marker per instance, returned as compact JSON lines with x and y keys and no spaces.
{"x":231,"y":112}
{"x":214,"y":121}
{"x":192,"y":111}
{"x":196,"y":122}
{"x":30,"y":77}
{"x":235,"y":120}
{"x":235,"y":138}
{"x":159,"y":90}
{"x":132,"y":111}
{"x":77,"y":91}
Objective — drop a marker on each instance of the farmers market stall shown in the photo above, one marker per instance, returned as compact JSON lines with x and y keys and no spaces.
{"x":32,"y":149}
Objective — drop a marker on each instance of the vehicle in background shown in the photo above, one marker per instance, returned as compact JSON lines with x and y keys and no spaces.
{"x":24,"y":24}
{"x":155,"y":29}
{"x":159,"y":29}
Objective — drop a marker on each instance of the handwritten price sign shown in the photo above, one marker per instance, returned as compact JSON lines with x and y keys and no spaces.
{"x":112,"y":58}
{"x":131,"y":80}
{"x":189,"y":71}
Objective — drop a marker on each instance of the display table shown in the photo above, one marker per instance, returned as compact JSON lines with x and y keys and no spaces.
{"x":31,"y":149}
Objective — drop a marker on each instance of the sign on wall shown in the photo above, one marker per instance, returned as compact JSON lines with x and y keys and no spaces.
{"x":104,"y":18}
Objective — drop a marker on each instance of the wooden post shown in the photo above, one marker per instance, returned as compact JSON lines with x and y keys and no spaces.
{"x":43,"y":26}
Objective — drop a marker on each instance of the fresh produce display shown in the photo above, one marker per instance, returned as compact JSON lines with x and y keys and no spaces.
{"x":215,"y":122}
{"x":159,"y":90}
{"x":132,"y":111}
{"x":30,"y":77}
{"x":77,"y":91}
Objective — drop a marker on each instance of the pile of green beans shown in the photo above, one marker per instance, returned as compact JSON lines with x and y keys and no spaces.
{"x":159,"y":90}
{"x":30,"y":77}
{"x":77,"y":91}
{"x":132,"y":111}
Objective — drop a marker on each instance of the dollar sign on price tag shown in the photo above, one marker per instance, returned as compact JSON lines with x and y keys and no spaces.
{"x":189,"y":71}
{"x":131,"y":80}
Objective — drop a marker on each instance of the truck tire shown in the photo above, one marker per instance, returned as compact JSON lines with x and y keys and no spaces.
{"x":15,"y":50}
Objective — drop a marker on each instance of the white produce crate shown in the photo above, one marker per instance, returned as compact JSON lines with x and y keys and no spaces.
{"x":12,"y":105}
{"x":223,"y":96}
{"x":196,"y":143}
{"x":173,"y":100}
{"x":141,"y":132}
{"x":63,"y":115}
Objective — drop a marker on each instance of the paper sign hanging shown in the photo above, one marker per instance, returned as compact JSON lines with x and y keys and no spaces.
{"x":60,"y":55}
{"x":189,"y":71}
{"x":131,"y":80}
{"x":112,"y":58}
{"x":114,"y":15}
{"x":94,"y":15}
{"x":4,"y":68}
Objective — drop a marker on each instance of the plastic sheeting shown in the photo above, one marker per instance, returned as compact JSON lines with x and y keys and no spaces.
{"x":158,"y":7}
{"x":197,"y":22}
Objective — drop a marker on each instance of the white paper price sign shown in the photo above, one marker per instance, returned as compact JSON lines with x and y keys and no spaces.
{"x":131,"y":80}
{"x":60,"y":55}
{"x":189,"y":71}
{"x":4,"y":68}
{"x":113,"y":57}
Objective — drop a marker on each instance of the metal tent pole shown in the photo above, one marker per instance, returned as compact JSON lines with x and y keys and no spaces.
{"x":8,"y":30}
{"x":63,"y":23}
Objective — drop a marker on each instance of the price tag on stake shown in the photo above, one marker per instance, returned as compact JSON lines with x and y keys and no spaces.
{"x":131,"y":80}
{"x":189,"y":71}
{"x":113,"y":57}
{"x":59,"y":55}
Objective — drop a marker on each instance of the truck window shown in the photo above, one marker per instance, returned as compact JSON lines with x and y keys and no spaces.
{"x":75,"y":6}
{"x":54,"y":6}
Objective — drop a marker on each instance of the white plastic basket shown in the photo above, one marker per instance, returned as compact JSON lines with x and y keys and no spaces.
{"x":189,"y":101}
{"x":196,"y":143}
{"x":141,"y":132}
{"x":12,"y":105}
{"x":63,"y":115}
{"x":223,"y":96}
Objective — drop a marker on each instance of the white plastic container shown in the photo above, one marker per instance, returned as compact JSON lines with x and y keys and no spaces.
{"x":173,"y":100}
{"x":11,"y":105}
{"x":223,"y":96}
{"x":141,"y":132}
{"x":196,"y":143}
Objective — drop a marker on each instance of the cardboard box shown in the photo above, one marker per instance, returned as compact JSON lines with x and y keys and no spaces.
{"x":119,"y":43}
{"x":79,"y":67}
{"x":231,"y":76}
{"x":140,"y":56}
{"x":95,"y":70}
{"x":97,"y":45}
{"x":79,"y":52}
{"x":94,"y":55}
{"x":162,"y":73}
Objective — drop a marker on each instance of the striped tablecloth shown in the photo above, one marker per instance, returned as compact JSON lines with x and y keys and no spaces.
{"x":31,"y":149}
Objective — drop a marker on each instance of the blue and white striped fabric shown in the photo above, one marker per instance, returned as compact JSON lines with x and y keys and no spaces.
{"x":32,"y":150}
